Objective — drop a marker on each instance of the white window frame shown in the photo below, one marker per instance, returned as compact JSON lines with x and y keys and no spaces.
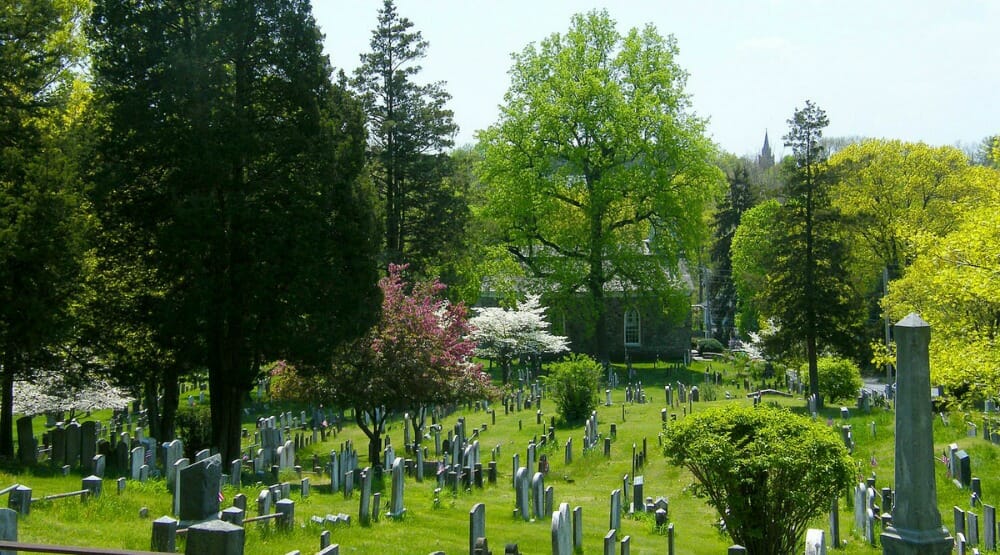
{"x":633,"y":326}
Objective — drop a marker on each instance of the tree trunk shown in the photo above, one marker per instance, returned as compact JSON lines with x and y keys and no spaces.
{"x":227,"y":405}
{"x":150,"y":394}
{"x":419,"y":420}
{"x":374,"y":434}
{"x":171,"y":396}
{"x":813,"y":369}
{"x":7,"y":411}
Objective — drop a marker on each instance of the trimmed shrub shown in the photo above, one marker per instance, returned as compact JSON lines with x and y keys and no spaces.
{"x":708,"y":345}
{"x":766,"y":471}
{"x":573,"y":384}
{"x":838,"y":378}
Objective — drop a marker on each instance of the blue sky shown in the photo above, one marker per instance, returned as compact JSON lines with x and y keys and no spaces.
{"x":915,"y":70}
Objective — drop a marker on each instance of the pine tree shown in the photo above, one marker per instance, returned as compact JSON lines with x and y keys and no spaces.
{"x":807,"y":288}
{"x":739,"y":198}
{"x":409,"y":128}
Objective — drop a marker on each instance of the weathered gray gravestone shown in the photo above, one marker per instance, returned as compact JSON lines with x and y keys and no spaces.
{"x":615,"y":521}
{"x":610,"y":541}
{"x":815,"y":542}
{"x":137,"y":458}
{"x":198,"y":488}
{"x":538,"y":494}
{"x":27,"y":447}
{"x":164,"y":534}
{"x":972,"y":527}
{"x":521,"y":487}
{"x":364,"y":510}
{"x":396,"y":508}
{"x":989,"y":527}
{"x":215,"y":537}
{"x":916,"y":522}
{"x":173,"y":451}
{"x":58,"y":439}
{"x":88,"y":446}
{"x":73,"y":444}
{"x":19,"y":499}
{"x":963,"y":473}
{"x":578,"y":528}
{"x":477,"y":525}
{"x":8,"y":528}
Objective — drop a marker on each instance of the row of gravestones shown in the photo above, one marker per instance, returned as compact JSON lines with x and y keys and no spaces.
{"x":76,"y":445}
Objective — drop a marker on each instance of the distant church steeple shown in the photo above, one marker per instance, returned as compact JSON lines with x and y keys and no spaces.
{"x":766,"y":158}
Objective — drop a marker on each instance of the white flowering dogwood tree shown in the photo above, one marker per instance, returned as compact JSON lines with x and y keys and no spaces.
{"x":503,"y":334}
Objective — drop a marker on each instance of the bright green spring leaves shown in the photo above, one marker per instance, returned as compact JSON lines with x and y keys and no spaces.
{"x":766,"y":471}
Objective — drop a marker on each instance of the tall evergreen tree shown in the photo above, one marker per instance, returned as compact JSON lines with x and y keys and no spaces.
{"x":739,"y":198}
{"x":409,"y":128}
{"x":807,"y":288}
{"x":229,"y":170}
{"x":42,"y":223}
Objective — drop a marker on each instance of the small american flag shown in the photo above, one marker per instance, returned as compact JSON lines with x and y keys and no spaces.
{"x":221,"y":497}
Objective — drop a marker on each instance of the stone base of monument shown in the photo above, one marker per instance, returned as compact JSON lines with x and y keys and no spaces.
{"x":916,"y":542}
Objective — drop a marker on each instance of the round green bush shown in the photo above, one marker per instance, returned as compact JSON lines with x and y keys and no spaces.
{"x":838,"y":378}
{"x":708,"y":345}
{"x":573,"y":384}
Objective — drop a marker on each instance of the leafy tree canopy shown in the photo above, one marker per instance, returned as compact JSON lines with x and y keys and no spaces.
{"x":954,"y":284}
{"x":889,"y":191}
{"x":597,"y":151}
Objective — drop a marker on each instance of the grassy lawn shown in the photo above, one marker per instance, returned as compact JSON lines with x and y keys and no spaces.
{"x":114,"y":520}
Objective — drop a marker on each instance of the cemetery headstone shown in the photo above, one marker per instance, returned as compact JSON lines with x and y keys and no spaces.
{"x":615,"y":520}
{"x":27,"y":447}
{"x":396,"y":508}
{"x":477,"y":525}
{"x":198,"y":489}
{"x":916,"y":522}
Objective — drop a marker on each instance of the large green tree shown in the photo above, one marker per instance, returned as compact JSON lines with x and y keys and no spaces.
{"x":953,"y":283}
{"x":888,"y":191}
{"x":229,"y":172}
{"x":808,"y":290}
{"x":42,"y":221}
{"x":409,"y":129}
{"x":595,"y":153}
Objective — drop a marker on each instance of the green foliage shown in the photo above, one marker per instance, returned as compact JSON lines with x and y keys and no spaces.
{"x":194,"y":428}
{"x":424,"y":202}
{"x":807,"y":289}
{"x":573,"y":383}
{"x":765,"y":470}
{"x":229,"y":176}
{"x":750,"y":252}
{"x":43,"y":219}
{"x":708,"y":345}
{"x":839,"y":378}
{"x":596,"y":151}
{"x":739,"y":198}
{"x":953,"y":285}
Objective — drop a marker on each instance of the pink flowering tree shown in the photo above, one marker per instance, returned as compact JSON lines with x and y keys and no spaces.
{"x":419,"y":353}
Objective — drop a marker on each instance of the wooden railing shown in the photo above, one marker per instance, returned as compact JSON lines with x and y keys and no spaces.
{"x":68,"y":549}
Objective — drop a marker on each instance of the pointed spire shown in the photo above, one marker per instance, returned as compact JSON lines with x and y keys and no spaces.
{"x":766,"y":158}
